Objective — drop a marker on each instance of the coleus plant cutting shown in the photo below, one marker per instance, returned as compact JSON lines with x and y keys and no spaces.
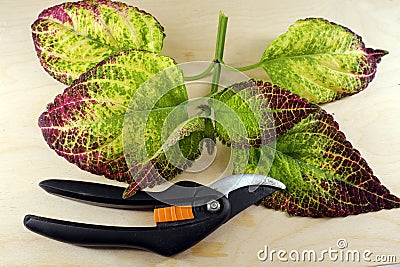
{"x":105,"y":51}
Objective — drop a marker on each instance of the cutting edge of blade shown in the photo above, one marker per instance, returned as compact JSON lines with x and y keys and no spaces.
{"x":233,"y":182}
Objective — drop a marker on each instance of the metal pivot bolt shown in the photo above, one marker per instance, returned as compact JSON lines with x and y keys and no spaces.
{"x":213,"y":206}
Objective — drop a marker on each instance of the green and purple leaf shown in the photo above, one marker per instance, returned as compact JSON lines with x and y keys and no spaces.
{"x":84,"y":124}
{"x":72,"y":37}
{"x":320,"y":61}
{"x":324,"y":175}
{"x":280,"y":110}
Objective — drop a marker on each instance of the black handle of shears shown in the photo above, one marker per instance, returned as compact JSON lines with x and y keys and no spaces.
{"x":111,"y":196}
{"x":166,"y":238}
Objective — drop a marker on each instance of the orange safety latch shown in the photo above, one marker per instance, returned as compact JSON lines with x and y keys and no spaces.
{"x":173,"y":213}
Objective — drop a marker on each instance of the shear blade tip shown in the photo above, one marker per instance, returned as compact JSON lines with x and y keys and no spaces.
{"x":281,"y":185}
{"x":259,"y":179}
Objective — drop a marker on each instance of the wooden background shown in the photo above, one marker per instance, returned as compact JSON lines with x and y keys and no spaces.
{"x":370,"y":121}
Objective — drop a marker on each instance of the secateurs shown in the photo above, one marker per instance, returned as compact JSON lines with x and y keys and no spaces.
{"x":185,"y":213}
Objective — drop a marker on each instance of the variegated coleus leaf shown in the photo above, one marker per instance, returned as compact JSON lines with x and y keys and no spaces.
{"x":280,"y":110}
{"x":320,"y":60}
{"x":149,"y":166}
{"x":324,"y":174}
{"x":84,"y":124}
{"x":72,"y":37}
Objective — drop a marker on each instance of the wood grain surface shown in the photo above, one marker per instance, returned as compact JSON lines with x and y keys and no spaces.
{"x":370,"y":121}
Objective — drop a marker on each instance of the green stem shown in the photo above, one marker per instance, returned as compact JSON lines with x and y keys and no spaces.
{"x":215,"y":78}
{"x":250,"y":67}
{"x":200,"y":75}
{"x":219,"y":51}
{"x":220,"y":44}
{"x":214,"y":66}
{"x":218,"y":61}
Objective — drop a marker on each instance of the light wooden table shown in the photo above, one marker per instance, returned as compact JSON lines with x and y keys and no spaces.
{"x":369,"y":119}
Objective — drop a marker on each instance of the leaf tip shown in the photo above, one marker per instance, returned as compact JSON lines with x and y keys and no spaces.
{"x":377,"y":54}
{"x":131,"y":190}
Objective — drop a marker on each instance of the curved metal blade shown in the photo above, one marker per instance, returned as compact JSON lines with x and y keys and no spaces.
{"x":234,"y":182}
{"x":244,"y":190}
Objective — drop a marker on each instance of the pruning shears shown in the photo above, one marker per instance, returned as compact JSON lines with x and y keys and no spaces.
{"x":184,"y":213}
